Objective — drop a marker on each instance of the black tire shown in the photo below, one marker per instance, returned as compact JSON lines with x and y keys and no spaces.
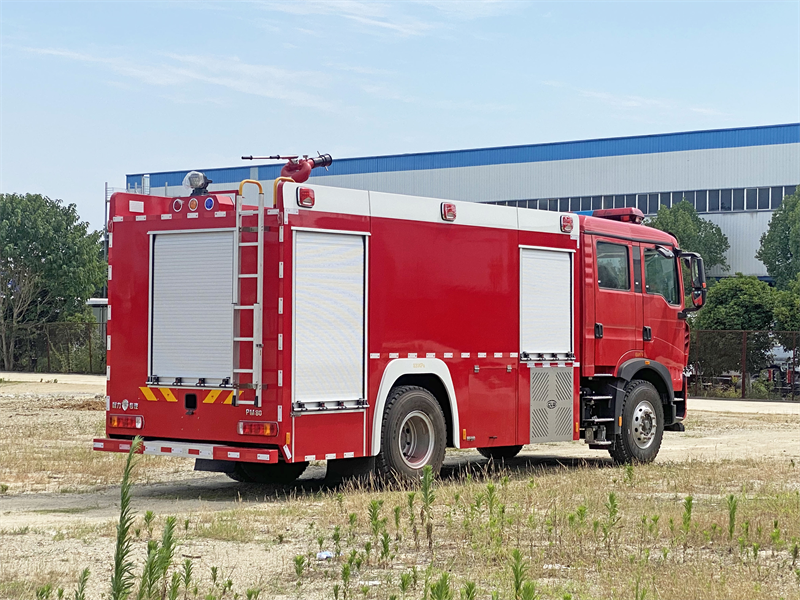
{"x":500,"y":452}
{"x":642,"y":425}
{"x":276,"y":474}
{"x":413,"y":433}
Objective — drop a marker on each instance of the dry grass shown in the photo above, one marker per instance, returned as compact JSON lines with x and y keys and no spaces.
{"x":557,"y":516}
{"x":45,"y":445}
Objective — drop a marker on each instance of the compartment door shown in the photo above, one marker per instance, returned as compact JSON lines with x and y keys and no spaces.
{"x":191,"y":310}
{"x":329,"y":320}
{"x":546,"y":320}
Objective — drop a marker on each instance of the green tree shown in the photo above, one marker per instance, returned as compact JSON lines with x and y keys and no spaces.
{"x":693,"y":233}
{"x":49,"y":265}
{"x":735,"y":304}
{"x":780,"y":245}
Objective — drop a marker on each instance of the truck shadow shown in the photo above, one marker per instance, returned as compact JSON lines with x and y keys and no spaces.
{"x":219,"y":488}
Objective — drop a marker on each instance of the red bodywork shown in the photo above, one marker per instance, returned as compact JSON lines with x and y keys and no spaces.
{"x":436,"y":289}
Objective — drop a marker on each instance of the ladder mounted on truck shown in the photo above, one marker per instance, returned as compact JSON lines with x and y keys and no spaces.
{"x":253,"y":371}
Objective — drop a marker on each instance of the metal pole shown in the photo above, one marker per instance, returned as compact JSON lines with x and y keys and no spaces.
{"x":89,"y":331}
{"x":794,"y":351}
{"x":744,"y":362}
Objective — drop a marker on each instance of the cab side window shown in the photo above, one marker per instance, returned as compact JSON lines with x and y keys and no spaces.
{"x":613,"y":270}
{"x":661,"y":276}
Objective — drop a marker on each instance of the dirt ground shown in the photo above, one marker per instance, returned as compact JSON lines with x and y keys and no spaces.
{"x":59,"y":499}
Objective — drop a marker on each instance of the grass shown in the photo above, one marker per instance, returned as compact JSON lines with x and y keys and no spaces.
{"x":46,"y":446}
{"x":716,"y":528}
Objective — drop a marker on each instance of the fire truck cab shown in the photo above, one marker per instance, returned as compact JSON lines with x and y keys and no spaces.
{"x":373,"y":330}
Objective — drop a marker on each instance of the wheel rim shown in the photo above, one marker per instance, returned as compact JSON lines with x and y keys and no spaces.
{"x":645,"y":424}
{"x":416,"y":439}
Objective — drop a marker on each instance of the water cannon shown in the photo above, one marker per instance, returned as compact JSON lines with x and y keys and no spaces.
{"x":296,"y":167}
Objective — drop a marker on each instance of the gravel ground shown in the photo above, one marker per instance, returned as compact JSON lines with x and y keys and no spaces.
{"x":56,"y":521}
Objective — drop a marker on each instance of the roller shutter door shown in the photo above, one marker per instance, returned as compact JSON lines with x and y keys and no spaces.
{"x":546,"y":301}
{"x":192,"y":310}
{"x":328,"y":317}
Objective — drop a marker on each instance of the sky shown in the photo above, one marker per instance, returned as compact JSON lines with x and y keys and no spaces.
{"x":92,"y":91}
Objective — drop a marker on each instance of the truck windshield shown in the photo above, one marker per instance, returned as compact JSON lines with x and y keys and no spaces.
{"x":661,"y":275}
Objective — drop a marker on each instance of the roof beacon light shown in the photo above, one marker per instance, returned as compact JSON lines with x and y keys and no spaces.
{"x":567,"y":223}
{"x":305,"y":197}
{"x":626,"y":215}
{"x":448,"y":211}
{"x":197,"y":182}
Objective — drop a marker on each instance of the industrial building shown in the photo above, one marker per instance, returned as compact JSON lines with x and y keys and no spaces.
{"x":735,"y":178}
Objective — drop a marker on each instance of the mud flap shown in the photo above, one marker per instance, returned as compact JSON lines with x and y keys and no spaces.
{"x":214,"y":466}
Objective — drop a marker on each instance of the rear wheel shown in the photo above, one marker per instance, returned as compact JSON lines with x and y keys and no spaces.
{"x":277,"y":474}
{"x":413,"y":433}
{"x":500,"y":452}
{"x":642,"y":424}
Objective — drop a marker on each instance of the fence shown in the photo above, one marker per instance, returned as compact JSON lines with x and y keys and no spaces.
{"x":768,"y":359}
{"x":61,"y":348}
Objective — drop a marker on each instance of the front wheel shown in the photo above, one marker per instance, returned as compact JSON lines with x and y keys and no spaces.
{"x":500,"y":452}
{"x":642,"y":424}
{"x":413,"y":433}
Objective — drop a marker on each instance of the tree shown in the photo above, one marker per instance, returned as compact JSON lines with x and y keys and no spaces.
{"x":780,"y":245}
{"x":693,"y":233}
{"x":734,"y":304}
{"x":49,"y":265}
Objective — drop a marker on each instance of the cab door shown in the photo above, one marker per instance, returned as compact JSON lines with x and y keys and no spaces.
{"x":618,"y":309}
{"x":662,"y":329}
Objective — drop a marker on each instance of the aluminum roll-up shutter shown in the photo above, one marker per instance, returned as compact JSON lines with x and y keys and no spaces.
{"x":546,"y":301}
{"x":328,"y":317}
{"x":192,"y":310}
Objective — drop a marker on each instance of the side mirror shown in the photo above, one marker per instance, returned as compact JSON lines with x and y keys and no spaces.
{"x":697,"y":274}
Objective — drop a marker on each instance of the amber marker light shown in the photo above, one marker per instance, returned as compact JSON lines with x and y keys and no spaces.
{"x":262,"y":428}
{"x":125,"y":421}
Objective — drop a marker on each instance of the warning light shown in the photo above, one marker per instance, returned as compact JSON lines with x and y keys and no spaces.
{"x":305,"y":197}
{"x":125,"y":421}
{"x":193,"y":204}
{"x":209,"y":203}
{"x":448,"y":211}
{"x":567,"y":223}
{"x":264,"y":428}
{"x":177,"y":205}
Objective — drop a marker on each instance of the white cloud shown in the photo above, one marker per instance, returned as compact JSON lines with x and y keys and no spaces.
{"x":175,"y":70}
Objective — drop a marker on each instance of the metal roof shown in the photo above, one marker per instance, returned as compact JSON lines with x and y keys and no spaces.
{"x":620,"y":146}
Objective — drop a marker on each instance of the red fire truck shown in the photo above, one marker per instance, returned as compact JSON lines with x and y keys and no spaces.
{"x":374,"y":330}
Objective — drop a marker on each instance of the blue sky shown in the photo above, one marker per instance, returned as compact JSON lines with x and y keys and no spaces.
{"x":92,"y":91}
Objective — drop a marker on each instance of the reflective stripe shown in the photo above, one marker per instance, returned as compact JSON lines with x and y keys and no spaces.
{"x":212,"y":395}
{"x":148,"y":394}
{"x":168,"y":395}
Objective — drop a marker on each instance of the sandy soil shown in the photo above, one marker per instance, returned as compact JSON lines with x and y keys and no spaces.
{"x":54,"y":519}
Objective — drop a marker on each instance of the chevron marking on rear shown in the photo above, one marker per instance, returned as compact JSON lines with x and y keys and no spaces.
{"x":148,"y":394}
{"x":229,"y":399}
{"x":168,"y":395}
{"x":212,"y":396}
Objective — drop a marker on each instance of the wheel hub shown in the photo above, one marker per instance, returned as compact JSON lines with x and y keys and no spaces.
{"x":645,"y":424}
{"x":416,"y":439}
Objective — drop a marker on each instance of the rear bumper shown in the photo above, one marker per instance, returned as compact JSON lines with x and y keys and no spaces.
{"x":190,"y":450}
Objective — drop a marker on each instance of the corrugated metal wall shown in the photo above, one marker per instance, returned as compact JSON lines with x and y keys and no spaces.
{"x":744,"y":231}
{"x":735,"y":158}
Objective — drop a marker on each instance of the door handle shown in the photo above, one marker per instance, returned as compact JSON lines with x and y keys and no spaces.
{"x":598,"y":331}
{"x":647,"y":334}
